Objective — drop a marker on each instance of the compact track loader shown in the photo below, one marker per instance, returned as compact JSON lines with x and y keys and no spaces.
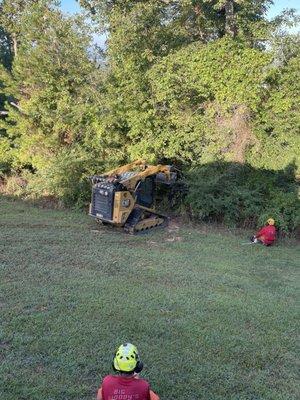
{"x":124,"y":196}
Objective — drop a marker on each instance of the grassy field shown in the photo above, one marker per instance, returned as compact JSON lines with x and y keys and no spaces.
{"x":213,"y":319}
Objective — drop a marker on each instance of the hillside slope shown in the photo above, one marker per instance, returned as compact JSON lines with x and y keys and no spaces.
{"x":212,"y":319}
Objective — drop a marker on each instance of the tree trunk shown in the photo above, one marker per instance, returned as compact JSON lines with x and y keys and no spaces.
{"x":230,"y":23}
{"x":15,"y":44}
{"x":199,"y":31}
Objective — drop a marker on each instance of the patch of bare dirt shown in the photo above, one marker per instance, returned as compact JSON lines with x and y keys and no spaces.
{"x":174,"y":239}
{"x":174,"y":225}
{"x":173,"y":230}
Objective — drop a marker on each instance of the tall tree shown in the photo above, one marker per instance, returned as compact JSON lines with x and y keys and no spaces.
{"x":11,"y":12}
{"x":196,"y":20}
{"x":56,"y":87}
{"x":141,"y":33}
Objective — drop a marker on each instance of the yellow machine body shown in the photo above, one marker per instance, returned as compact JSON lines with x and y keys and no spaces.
{"x":124,"y":196}
{"x":123,"y":205}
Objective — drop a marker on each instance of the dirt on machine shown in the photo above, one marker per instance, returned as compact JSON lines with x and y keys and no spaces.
{"x":125,"y":196}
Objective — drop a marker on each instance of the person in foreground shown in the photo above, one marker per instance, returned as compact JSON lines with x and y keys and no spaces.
{"x":266,"y":235}
{"x":126,"y":383}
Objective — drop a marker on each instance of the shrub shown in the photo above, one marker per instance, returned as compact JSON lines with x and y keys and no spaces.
{"x":64,"y":177}
{"x":239,"y":195}
{"x":14,"y":185}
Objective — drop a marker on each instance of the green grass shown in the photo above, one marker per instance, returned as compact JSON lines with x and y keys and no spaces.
{"x":212,"y":319}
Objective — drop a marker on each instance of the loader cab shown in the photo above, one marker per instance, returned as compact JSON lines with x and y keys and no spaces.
{"x":145,"y":192}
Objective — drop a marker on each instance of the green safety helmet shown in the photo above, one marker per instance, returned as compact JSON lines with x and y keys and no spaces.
{"x":126,"y":359}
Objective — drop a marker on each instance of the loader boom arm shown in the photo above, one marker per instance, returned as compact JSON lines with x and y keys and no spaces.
{"x":130,"y":183}
{"x":126,"y":168}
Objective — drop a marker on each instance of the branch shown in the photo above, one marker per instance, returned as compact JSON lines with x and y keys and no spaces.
{"x":16,"y":106}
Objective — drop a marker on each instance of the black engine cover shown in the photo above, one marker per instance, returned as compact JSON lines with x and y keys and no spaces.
{"x":103,"y":195}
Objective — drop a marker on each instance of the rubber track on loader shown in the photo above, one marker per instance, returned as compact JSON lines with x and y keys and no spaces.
{"x":136,"y":224}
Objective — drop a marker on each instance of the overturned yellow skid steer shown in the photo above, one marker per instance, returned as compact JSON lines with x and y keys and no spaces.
{"x":124,"y":196}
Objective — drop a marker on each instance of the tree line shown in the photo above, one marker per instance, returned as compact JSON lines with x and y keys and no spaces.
{"x":211,"y":86}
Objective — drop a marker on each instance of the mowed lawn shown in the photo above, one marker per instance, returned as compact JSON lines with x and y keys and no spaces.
{"x":213,"y":319}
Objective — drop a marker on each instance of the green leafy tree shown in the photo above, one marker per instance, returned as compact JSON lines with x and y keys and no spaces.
{"x":143,"y":34}
{"x":203,"y":98}
{"x":56,"y":87}
{"x":11,"y":13}
{"x":278,"y":120}
{"x":195,"y":20}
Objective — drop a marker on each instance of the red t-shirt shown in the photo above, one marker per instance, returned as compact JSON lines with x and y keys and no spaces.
{"x":116,"y":387}
{"x":267,"y":234}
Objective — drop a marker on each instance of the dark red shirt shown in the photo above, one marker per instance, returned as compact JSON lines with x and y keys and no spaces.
{"x":116,"y":387}
{"x":267,"y":234}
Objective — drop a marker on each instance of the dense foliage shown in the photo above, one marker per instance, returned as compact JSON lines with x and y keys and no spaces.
{"x":210,"y":85}
{"x":236,"y":194}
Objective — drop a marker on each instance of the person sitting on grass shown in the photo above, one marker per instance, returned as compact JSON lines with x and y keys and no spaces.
{"x":126,"y":384}
{"x":266,"y":235}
